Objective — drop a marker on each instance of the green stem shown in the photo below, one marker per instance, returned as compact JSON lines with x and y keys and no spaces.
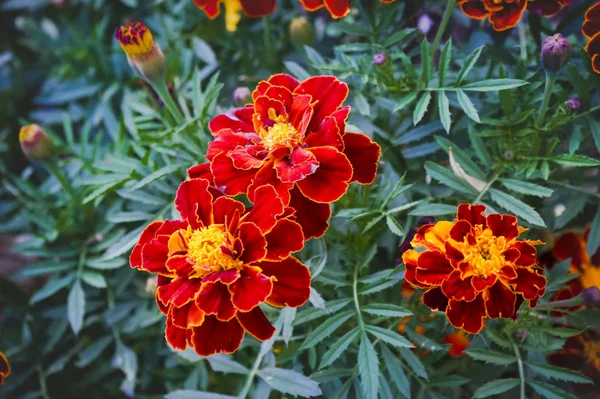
{"x":521,"y":370}
{"x":574,"y":188}
{"x":550,"y":81}
{"x":163,"y":92}
{"x":522,"y":41}
{"x":486,"y":188}
{"x":64,"y":182}
{"x":438,"y":36}
{"x":268,"y":42}
{"x":361,"y":323}
{"x":42,"y":378}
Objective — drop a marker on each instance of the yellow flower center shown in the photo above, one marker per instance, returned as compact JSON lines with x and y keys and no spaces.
{"x":281,"y":133}
{"x":135,"y":39}
{"x":208,"y":247}
{"x":591,"y":350}
{"x":485,"y":257}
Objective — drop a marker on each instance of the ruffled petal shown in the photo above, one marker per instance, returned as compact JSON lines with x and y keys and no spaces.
{"x":232,"y":180}
{"x":297,"y":166}
{"x":310,"y":215}
{"x":254,"y":243}
{"x":215,"y":299}
{"x":194,"y":202}
{"x":267,"y":207}
{"x":257,"y":9}
{"x":330,"y":181}
{"x":363,"y":155}
{"x":328,"y":92}
{"x":454,"y":287}
{"x":284,"y":239}
{"x":135,"y":259}
{"x":499,"y":301}
{"x":176,"y":337}
{"x":256,"y":324}
{"x":472,"y":214}
{"x":237,"y":120}
{"x":435,"y":299}
{"x":186,"y":316}
{"x":467,"y":315}
{"x":291,"y":282}
{"x":215,"y":336}
{"x":433,"y":268}
{"x":267,"y":176}
{"x":251,"y":289}
{"x":503,"y":226}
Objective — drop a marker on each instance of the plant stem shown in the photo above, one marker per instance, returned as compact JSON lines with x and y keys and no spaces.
{"x":522,"y":41}
{"x":64,"y":182}
{"x":574,"y":188}
{"x":163,"y":92}
{"x":361,"y":323}
{"x":268,"y":42}
{"x":251,"y":375}
{"x":438,"y":36}
{"x":521,"y":370}
{"x":486,"y":188}
{"x":42,"y":378}
{"x":550,"y":81}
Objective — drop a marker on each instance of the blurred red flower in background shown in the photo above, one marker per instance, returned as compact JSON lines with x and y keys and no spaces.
{"x":251,"y":8}
{"x":337,"y":8}
{"x":591,"y":30}
{"x":459,"y":343}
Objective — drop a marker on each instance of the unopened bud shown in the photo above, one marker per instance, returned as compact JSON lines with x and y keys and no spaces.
{"x":380,"y":58}
{"x":574,"y":104}
{"x":143,"y":53}
{"x":35,"y":143}
{"x":242,"y":96}
{"x":425,"y":24}
{"x":556,"y":53}
{"x":301,"y":32}
{"x":591,"y":296}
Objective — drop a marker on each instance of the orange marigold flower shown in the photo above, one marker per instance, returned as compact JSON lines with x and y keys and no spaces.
{"x":591,"y":30}
{"x":459,"y":343}
{"x":4,"y":368}
{"x":475,"y":267}
{"x":251,"y":8}
{"x":505,"y":14}
{"x":337,"y":8}
{"x":294,"y":138}
{"x":218,"y":263}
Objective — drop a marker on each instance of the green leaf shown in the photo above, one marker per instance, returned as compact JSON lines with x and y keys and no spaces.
{"x":558,"y":373}
{"x":166,"y":170}
{"x":433,"y":210}
{"x":561,"y":332}
{"x":426,"y":62}
{"x":480,"y":149}
{"x":494,"y":85}
{"x":124,"y":244}
{"x":444,"y":110}
{"x":491,"y":356}
{"x":574,"y":160}
{"x":394,"y":226}
{"x":94,"y":279}
{"x":314,"y":57}
{"x":593,"y":241}
{"x":100,"y":191}
{"x":448,"y":178}
{"x":296,"y":70}
{"x":467,"y":106}
{"x":444,"y":61}
{"x":378,"y":286}
{"x":421,"y":107}
{"x":404,"y":102}
{"x":91,"y":353}
{"x":496,"y":387}
{"x":390,"y":337}
{"x":398,"y":37}
{"x":188,"y":394}
{"x":326,"y":329}
{"x":385,"y":309}
{"x":517,"y":207}
{"x":468,"y":64}
{"x":368,"y":367}
{"x":126,"y":217}
{"x":373,"y":222}
{"x":574,"y":206}
{"x":289,"y":381}
{"x":448,"y":381}
{"x":225,"y":364}
{"x":414,"y":363}
{"x":101,"y":264}
{"x":51,"y":287}
{"x":76,"y":307}
{"x":550,"y":391}
{"x":392,"y":364}
{"x":526,"y":188}
{"x":338,"y":348}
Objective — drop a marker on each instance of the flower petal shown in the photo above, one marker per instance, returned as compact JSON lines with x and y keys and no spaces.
{"x":254,"y":243}
{"x":257,"y":9}
{"x":363,"y":155}
{"x":176,"y":337}
{"x":433,"y":268}
{"x":215,"y":336}
{"x":251,"y":289}
{"x":435,"y":299}
{"x":311,"y":215}
{"x":232,"y":180}
{"x":499,"y":301}
{"x":503,"y":226}
{"x":267,"y":176}
{"x":330,"y":181}
{"x":186,"y":316}
{"x":291,"y":282}
{"x":285,"y":238}
{"x":471,"y":213}
{"x":529,"y":283}
{"x":135,"y":259}
{"x":329,"y":93}
{"x":297,"y":166}
{"x":237,"y":120}
{"x":467,"y":315}
{"x":454,"y":287}
{"x":256,"y":324}
{"x":215,"y":299}
{"x":194,"y":202}
{"x":267,"y":207}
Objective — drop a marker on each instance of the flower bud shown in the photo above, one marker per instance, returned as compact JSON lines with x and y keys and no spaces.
{"x":301,"y":32}
{"x":380,"y":58}
{"x":35,"y":143}
{"x":591,"y":296}
{"x":242,"y":96}
{"x":425,"y":24}
{"x":574,"y":104}
{"x":143,"y":53}
{"x":556,"y":53}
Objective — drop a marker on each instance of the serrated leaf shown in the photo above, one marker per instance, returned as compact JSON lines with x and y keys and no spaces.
{"x":494,"y":85}
{"x":496,"y":387}
{"x":404,"y":102}
{"x":467,"y":105}
{"x":368,"y":367}
{"x":371,"y":223}
{"x":561,"y":332}
{"x":433,"y":210}
{"x":444,"y":111}
{"x":390,"y":337}
{"x":426,"y":61}
{"x":334,"y":352}
{"x":188,"y":394}
{"x":448,"y":178}
{"x":225,"y":364}
{"x":558,"y":373}
{"x":517,"y":207}
{"x":91,"y":353}
{"x":296,"y":70}
{"x":326,"y":329}
{"x":385,"y":309}
{"x":289,"y":381}
{"x":76,"y":307}
{"x":394,"y":226}
{"x":378,"y":286}
{"x":593,"y":240}
{"x":166,"y":170}
{"x":550,"y":391}
{"x":468,"y":64}
{"x":527,"y":188}
{"x":414,"y":363}
{"x":393,"y":367}
{"x":421,"y":107}
{"x":50,"y":288}
{"x":574,"y":160}
{"x":491,"y":356}
{"x":444,"y":62}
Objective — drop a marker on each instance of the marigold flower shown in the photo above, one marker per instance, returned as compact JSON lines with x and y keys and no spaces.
{"x":218,"y":263}
{"x":591,"y":30}
{"x":294,"y":138}
{"x":251,"y":8}
{"x":143,"y":53}
{"x":475,"y":268}
{"x":4,"y":368}
{"x":337,"y":8}
{"x":581,"y":352}
{"x":459,"y":343}
{"x":505,"y":14}
{"x":35,"y":143}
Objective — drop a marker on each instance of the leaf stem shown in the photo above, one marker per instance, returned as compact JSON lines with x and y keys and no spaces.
{"x":42,"y":378}
{"x":486,"y":188}
{"x":361,"y":323}
{"x":521,"y":370}
{"x":438,"y":36}
{"x":550,"y":81}
{"x":163,"y":92}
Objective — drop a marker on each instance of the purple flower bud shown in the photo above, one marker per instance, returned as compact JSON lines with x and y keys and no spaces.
{"x":380,"y":58}
{"x":242,"y":96}
{"x":574,"y":104}
{"x":556,"y":53}
{"x":591,"y":296}
{"x":425,"y":24}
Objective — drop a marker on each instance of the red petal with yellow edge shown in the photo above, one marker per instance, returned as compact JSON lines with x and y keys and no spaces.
{"x":194,"y":202}
{"x":503,"y":226}
{"x":467,"y":315}
{"x":238,"y":120}
{"x":215,"y":299}
{"x":547,"y":7}
{"x":285,"y":238}
{"x":257,"y":9}
{"x":178,"y":292}
{"x":135,"y":259}
{"x":254,"y":242}
{"x":279,"y":79}
{"x":176,"y":337}
{"x":591,"y":25}
{"x":435,"y":299}
{"x":262,"y":105}
{"x":226,"y":277}
{"x":215,"y":336}
{"x":186,"y":316}
{"x":569,"y":245}
{"x":226,"y":141}
{"x":297,"y":166}
{"x":508,"y":272}
{"x":511,"y":254}
{"x":312,"y":5}
{"x":471,"y":213}
{"x":251,"y":289}
{"x":301,"y":113}
{"x":310,"y":215}
{"x":433,"y":268}
{"x":410,"y":259}
{"x":499,"y":301}
{"x":224,"y":209}
{"x":480,"y":283}
{"x":160,"y":281}
{"x":330,"y":94}
{"x":210,"y":7}
{"x":256,"y":324}
{"x":338,"y":8}
{"x":434,"y":236}
{"x":528,"y":254}
{"x":279,"y":93}
{"x":242,"y":158}
{"x":267,"y":207}
{"x":454,"y":287}
{"x":473,"y":9}
{"x":460,"y":230}
{"x":363,"y":155}
{"x":453,"y":254}
{"x":291,"y":286}
{"x":329,"y":134}
{"x":179,"y":265}
{"x":4,"y":365}
{"x":330,"y":181}
{"x":529,"y":283}
{"x":155,"y":255}
{"x":508,"y":17}
{"x":267,"y":176}
{"x":201,"y":171}
{"x":233,"y":181}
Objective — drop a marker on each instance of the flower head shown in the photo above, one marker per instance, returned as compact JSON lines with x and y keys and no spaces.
{"x":459,"y":343}
{"x":4,"y":368}
{"x":337,"y":8}
{"x":506,"y":14}
{"x":35,"y":143}
{"x":475,"y":268}
{"x":143,"y":53}
{"x":233,"y":8}
{"x":591,"y":30}
{"x":218,"y":263}
{"x":294,"y":138}
{"x":556,"y":53}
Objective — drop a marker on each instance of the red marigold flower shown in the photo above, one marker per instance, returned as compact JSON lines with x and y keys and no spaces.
{"x":337,"y":8}
{"x":218,"y":263}
{"x":505,"y":14}
{"x":591,"y":30}
{"x":574,"y":246}
{"x":475,"y":267}
{"x":459,"y":343}
{"x":251,"y":8}
{"x":4,"y":368}
{"x":294,"y":138}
